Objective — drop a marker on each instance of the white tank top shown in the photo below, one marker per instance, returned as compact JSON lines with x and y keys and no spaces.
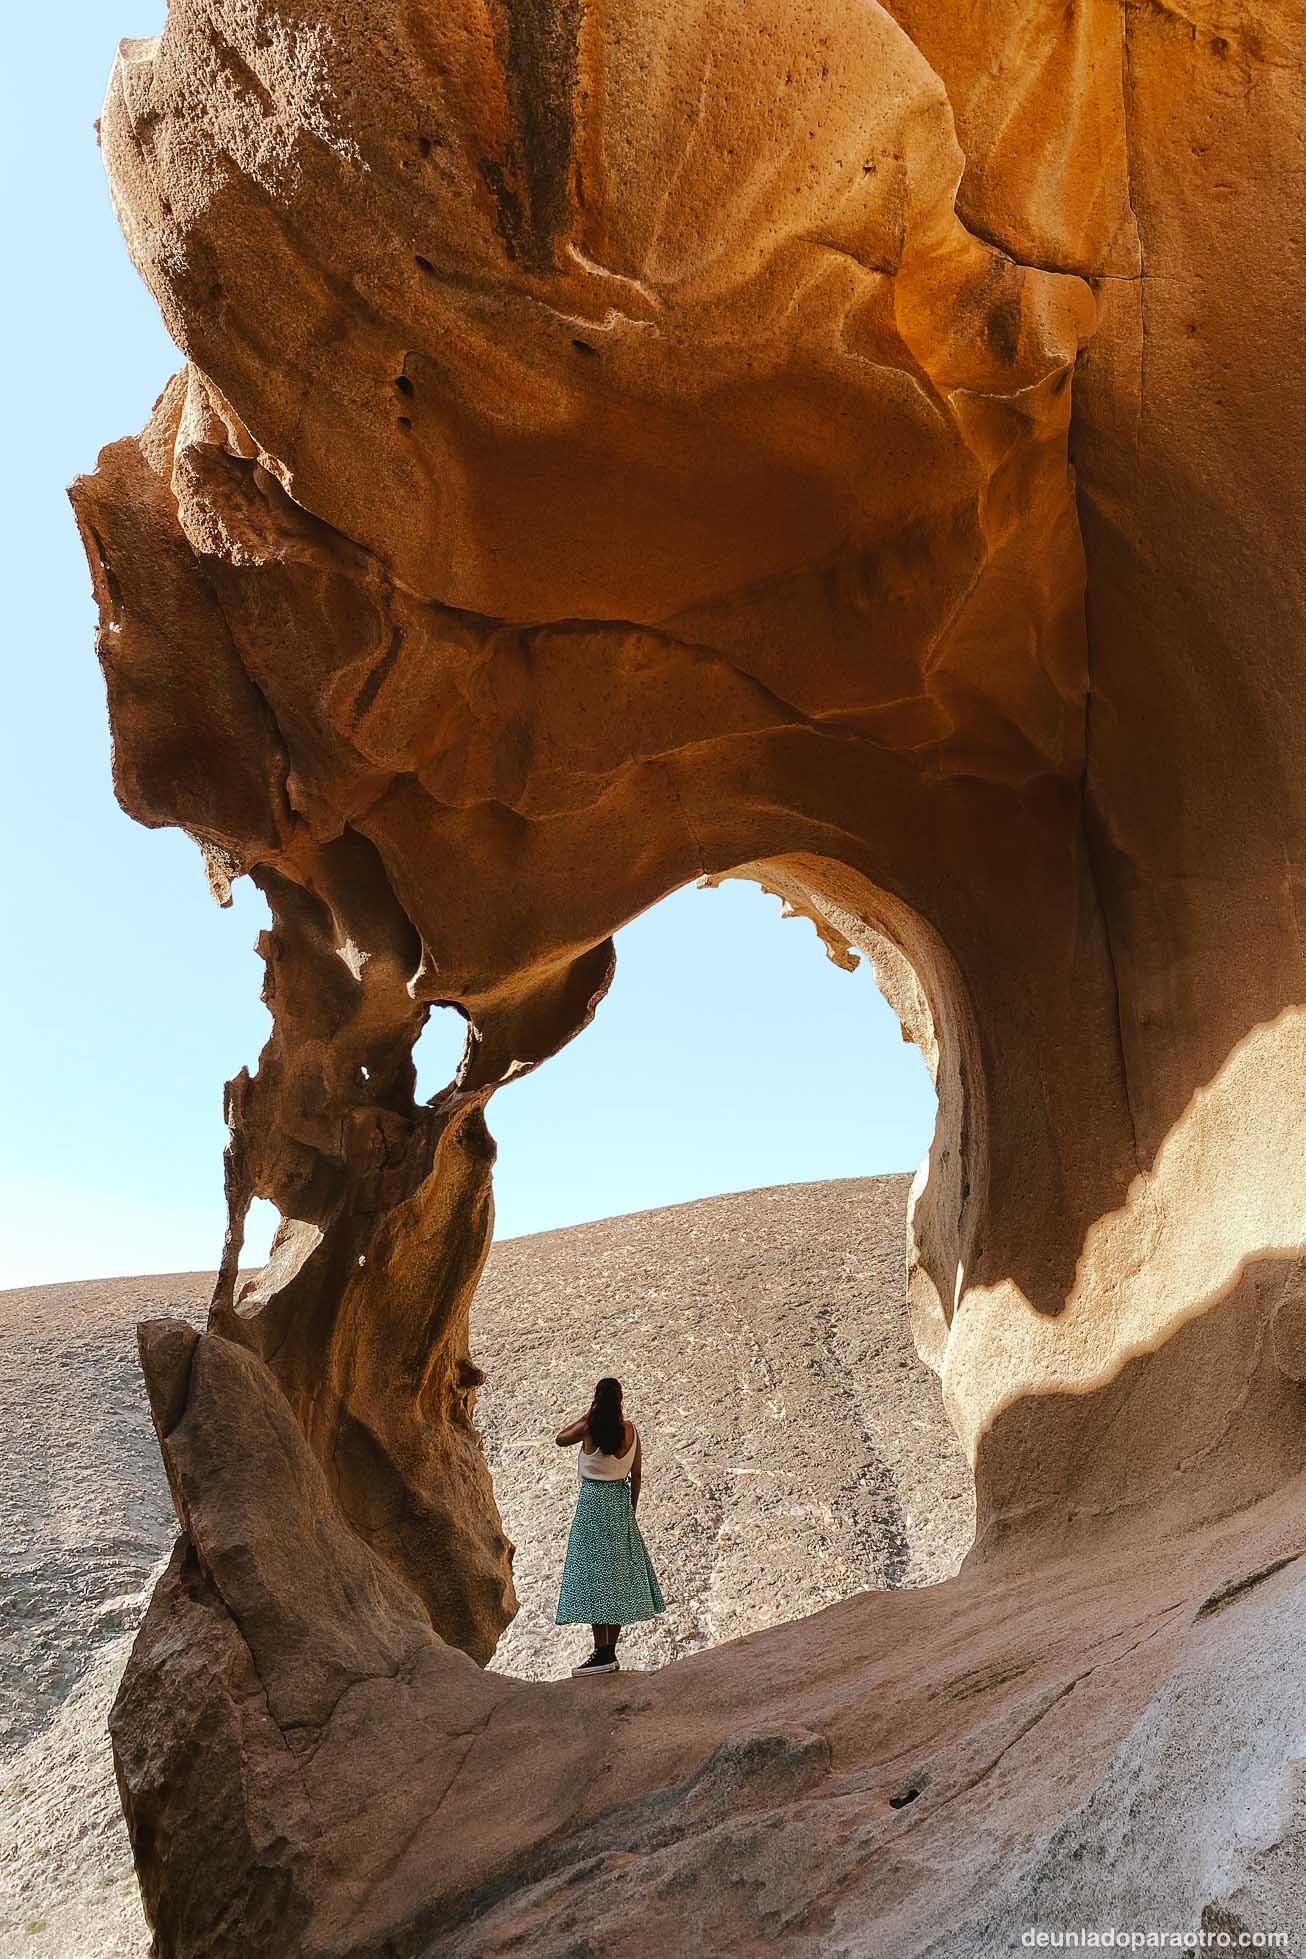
{"x":599,"y":1468}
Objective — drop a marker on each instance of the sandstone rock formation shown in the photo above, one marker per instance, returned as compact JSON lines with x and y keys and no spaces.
{"x":796,"y":1452}
{"x":855,"y":449}
{"x":913,"y":1773}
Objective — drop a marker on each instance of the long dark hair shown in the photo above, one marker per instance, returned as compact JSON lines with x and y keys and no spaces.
{"x":607,"y":1424}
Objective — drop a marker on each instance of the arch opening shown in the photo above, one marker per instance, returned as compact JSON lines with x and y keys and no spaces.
{"x":798,"y":1445}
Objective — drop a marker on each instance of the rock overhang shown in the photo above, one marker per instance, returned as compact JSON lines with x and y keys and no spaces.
{"x":578,"y":486}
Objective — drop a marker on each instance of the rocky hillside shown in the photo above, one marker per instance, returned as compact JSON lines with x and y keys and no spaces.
{"x":795,"y":1452}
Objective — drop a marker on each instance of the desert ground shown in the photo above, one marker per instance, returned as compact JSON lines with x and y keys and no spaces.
{"x":796,"y":1452}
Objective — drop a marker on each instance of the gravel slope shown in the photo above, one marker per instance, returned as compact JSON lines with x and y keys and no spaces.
{"x":795,"y":1452}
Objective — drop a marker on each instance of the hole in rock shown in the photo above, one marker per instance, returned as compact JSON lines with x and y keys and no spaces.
{"x":405,"y":421}
{"x":423,"y":264}
{"x":438,"y":1051}
{"x":904,"y":1797}
{"x":292,"y":1242}
{"x":705,"y":1194}
{"x":261,"y":1221}
{"x":583,"y":347}
{"x":404,"y":385}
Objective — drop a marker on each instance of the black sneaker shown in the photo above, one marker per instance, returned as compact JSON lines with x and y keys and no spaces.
{"x":601,"y":1660}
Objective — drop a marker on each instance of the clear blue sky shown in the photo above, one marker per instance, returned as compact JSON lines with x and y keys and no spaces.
{"x":729,"y":1054}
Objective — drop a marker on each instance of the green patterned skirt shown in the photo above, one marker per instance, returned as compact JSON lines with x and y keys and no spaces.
{"x":608,"y":1579}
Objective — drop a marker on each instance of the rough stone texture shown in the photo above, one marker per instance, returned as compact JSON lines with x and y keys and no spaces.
{"x":858,"y":450}
{"x":1115,"y":1738}
{"x":787,"y":1306}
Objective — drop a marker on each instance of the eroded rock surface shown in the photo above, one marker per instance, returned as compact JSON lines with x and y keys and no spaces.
{"x":796,"y":1452}
{"x":850,"y":448}
{"x":917,"y":1773}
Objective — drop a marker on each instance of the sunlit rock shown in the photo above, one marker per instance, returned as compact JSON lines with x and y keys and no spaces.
{"x":622,"y":445}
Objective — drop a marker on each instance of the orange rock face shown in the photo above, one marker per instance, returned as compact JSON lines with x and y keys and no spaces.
{"x":854,"y":449}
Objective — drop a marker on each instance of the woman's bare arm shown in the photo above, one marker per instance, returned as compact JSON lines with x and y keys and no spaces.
{"x":636,"y":1472}
{"x":575,"y":1432}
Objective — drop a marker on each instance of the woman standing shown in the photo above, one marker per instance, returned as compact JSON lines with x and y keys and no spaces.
{"x":608,"y":1580}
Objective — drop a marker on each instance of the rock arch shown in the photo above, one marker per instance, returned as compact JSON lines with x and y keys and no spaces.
{"x":618,"y":445}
